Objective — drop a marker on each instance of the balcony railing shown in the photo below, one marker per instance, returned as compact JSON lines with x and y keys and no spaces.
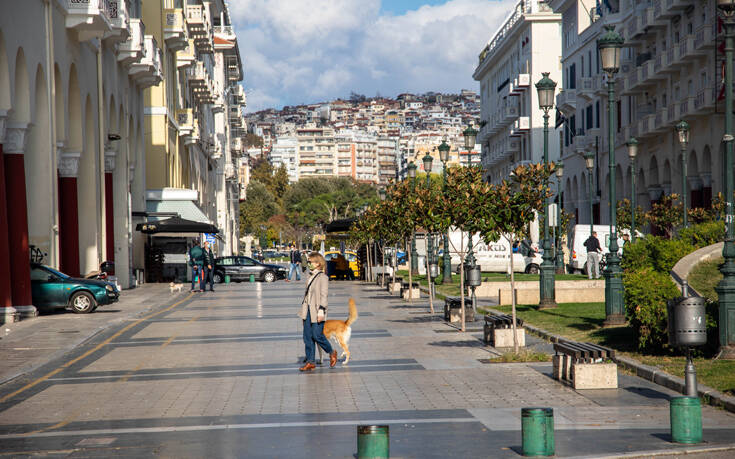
{"x":185,"y":57}
{"x":185,"y":120}
{"x":686,"y":107}
{"x":133,"y":49}
{"x":148,"y":72}
{"x":705,"y":37}
{"x":117,"y":10}
{"x":705,"y":100}
{"x":89,"y":18}
{"x":174,"y":31}
{"x":566,"y":100}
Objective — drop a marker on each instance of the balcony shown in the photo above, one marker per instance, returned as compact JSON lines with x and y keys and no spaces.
{"x":133,"y":49}
{"x":185,"y":57}
{"x":646,"y":126}
{"x":174,"y":31}
{"x":238,"y":95}
{"x":667,"y":9}
{"x":521,"y":125}
{"x":200,"y":29}
{"x":148,"y":71}
{"x":508,"y":114}
{"x":236,"y":145}
{"x":230,"y":172}
{"x":117,"y":10}
{"x":519,"y":84}
{"x":686,"y":107}
{"x":588,"y":86}
{"x":566,"y":100}
{"x":89,"y":18}
{"x":705,"y":37}
{"x":197,"y":75}
{"x":687,"y":49}
{"x":704,"y":102}
{"x":514,"y":145}
{"x":185,"y":121}
{"x":194,"y":136}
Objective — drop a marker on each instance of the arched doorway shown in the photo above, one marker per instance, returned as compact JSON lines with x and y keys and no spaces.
{"x":87,"y":189}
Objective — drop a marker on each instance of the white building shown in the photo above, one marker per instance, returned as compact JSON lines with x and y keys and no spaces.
{"x":527,"y":44}
{"x":670,"y":71}
{"x":285,"y":152}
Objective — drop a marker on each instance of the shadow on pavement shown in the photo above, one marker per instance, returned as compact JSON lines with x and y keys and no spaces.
{"x":465,"y":343}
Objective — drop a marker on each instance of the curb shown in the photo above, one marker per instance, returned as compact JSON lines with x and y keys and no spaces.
{"x":665,"y":452}
{"x":710,"y":396}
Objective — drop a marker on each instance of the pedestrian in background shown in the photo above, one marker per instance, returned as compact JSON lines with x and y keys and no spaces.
{"x":314,"y":312}
{"x":195,"y":261}
{"x":207,"y":267}
{"x":294,"y":264}
{"x":593,"y":255}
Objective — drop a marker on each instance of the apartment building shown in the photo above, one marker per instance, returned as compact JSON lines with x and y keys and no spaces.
{"x":671,"y":71}
{"x":316,"y":152}
{"x":285,"y":153}
{"x":387,"y":160}
{"x":511,"y":127}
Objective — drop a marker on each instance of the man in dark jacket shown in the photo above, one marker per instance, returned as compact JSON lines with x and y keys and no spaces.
{"x":207,"y":268}
{"x":593,"y":255}
{"x":195,"y":261}
{"x":294,"y":264}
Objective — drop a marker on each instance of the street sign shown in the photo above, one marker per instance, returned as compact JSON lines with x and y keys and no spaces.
{"x":209,"y":237}
{"x":552,"y":214}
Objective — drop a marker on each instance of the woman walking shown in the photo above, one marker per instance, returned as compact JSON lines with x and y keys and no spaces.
{"x":314,"y":312}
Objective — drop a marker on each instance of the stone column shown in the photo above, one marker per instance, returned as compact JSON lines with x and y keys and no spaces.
{"x":15,"y":190}
{"x":696,"y":186}
{"x":8,"y":313}
{"x":706,"y":190}
{"x":109,"y":208}
{"x":68,"y":212}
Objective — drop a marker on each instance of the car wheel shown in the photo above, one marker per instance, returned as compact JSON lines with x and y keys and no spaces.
{"x":82,"y":303}
{"x":218,"y":278}
{"x":269,"y":276}
{"x":532,"y":269}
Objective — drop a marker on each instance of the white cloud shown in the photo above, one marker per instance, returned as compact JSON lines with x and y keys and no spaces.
{"x":297,"y":51}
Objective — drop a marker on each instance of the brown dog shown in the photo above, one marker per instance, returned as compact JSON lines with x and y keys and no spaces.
{"x":341,"y":331}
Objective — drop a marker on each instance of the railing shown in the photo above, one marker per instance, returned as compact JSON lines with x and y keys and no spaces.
{"x":521,"y":8}
{"x":224,"y":30}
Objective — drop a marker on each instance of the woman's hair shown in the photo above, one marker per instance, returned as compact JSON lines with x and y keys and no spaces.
{"x":318,"y":260}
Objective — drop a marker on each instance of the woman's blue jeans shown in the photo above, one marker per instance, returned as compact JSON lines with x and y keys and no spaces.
{"x":314,"y":333}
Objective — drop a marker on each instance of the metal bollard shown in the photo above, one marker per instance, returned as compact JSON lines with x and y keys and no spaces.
{"x":686,"y":420}
{"x":252,"y":278}
{"x":537,"y":430}
{"x":227,"y":278}
{"x":373,"y":442}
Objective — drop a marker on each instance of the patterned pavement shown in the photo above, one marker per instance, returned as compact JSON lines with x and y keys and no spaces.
{"x":215,"y":375}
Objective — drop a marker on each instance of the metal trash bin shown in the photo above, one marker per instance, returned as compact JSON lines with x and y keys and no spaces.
{"x":474,"y":276}
{"x":687,"y":322}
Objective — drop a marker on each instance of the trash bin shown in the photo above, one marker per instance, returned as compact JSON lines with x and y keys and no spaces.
{"x":252,"y":278}
{"x":687,"y":322}
{"x":474,"y":276}
{"x":373,"y":442}
{"x":686,"y":420}
{"x":227,"y":278}
{"x":537,"y":430}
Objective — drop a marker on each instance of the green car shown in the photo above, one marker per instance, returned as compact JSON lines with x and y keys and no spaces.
{"x":52,"y":289}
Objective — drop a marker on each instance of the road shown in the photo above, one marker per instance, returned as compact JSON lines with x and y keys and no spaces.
{"x":215,"y":375}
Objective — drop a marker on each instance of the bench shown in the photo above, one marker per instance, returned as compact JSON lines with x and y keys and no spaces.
{"x":498,"y":330}
{"x":394,"y":287}
{"x":453,"y":309}
{"x":585,"y":366}
{"x":416,"y":292}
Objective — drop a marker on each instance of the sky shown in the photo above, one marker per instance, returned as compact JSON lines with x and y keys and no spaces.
{"x":307,"y":51}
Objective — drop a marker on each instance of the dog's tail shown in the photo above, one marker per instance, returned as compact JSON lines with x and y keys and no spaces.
{"x":353,"y":313}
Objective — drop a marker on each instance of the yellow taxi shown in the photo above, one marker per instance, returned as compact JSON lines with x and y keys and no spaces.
{"x":331,"y":258}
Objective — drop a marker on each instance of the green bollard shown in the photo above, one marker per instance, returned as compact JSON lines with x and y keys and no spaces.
{"x":686,"y":420}
{"x":252,"y":278}
{"x":372,"y":442}
{"x":537,"y":428}
{"x":227,"y":278}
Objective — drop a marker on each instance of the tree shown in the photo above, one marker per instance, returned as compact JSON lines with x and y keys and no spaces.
{"x":259,"y":206}
{"x":253,"y":140}
{"x":623,"y":215}
{"x":261,"y":170}
{"x":666,"y":214}
{"x":279,"y":182}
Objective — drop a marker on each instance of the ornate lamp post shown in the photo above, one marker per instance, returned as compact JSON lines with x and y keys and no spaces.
{"x":589,"y":161}
{"x":559,"y":211}
{"x":610,"y":45}
{"x":726,"y":288}
{"x":546,"y":88}
{"x":473,"y":275}
{"x":428,"y":160}
{"x":447,"y":260}
{"x":682,"y":129}
{"x":414,"y":255}
{"x":632,"y":153}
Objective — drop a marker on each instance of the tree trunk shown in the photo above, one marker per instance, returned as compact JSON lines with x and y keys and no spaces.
{"x":410,"y":279}
{"x":368,"y":274}
{"x":382,"y":275}
{"x":513,"y":297}
{"x":428,"y":278}
{"x":461,"y":277}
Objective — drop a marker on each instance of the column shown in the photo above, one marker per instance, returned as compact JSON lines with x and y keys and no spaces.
{"x":68,"y":213}
{"x":15,"y":190}
{"x":109,"y":207}
{"x":8,"y":313}
{"x":706,"y":190}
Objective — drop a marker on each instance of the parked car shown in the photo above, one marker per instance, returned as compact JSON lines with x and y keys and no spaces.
{"x":240,"y":268}
{"x":52,"y":289}
{"x":351,"y":258}
{"x":495,"y":257}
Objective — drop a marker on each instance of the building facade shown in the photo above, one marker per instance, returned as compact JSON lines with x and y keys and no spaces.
{"x":671,"y":70}
{"x":511,"y":127}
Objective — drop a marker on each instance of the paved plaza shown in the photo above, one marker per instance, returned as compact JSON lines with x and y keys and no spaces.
{"x":215,"y":375}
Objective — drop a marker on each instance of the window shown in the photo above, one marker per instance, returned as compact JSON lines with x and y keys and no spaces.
{"x":597,"y":114}
{"x":245,"y":261}
{"x":226,"y":261}
{"x":588,"y":122}
{"x":581,"y":67}
{"x":40,"y":275}
{"x":573,"y":76}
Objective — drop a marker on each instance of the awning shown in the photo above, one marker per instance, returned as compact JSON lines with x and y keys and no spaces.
{"x":185,"y":209}
{"x":176,"y":226}
{"x":339,"y":226}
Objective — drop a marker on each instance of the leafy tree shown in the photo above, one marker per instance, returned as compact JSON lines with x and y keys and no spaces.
{"x":259,"y":206}
{"x":666,"y":214}
{"x":262,"y":171}
{"x":279,"y":184}
{"x":623,"y":215}
{"x":253,"y":140}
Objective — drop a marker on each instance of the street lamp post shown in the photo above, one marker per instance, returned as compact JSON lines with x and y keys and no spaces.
{"x":682,"y":129}
{"x":447,"y":260}
{"x":589,"y":160}
{"x":632,"y":153}
{"x":470,"y":137}
{"x":428,"y":160}
{"x":414,"y":254}
{"x":726,"y":288}
{"x":546,"y":88}
{"x":609,"y":46}
{"x":559,"y":211}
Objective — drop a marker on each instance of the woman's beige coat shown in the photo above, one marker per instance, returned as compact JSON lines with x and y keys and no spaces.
{"x":316,"y":297}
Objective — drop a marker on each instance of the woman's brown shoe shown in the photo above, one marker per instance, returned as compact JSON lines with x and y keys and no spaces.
{"x":332,"y":359}
{"x":308,"y":367}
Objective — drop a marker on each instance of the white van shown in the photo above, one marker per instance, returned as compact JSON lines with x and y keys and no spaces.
{"x":578,"y":252}
{"x":495,"y":257}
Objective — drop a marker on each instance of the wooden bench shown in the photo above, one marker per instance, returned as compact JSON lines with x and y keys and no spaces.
{"x":498,"y":330}
{"x":416,"y":290}
{"x":394,"y":287}
{"x":453,"y":309}
{"x":585,"y":365}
